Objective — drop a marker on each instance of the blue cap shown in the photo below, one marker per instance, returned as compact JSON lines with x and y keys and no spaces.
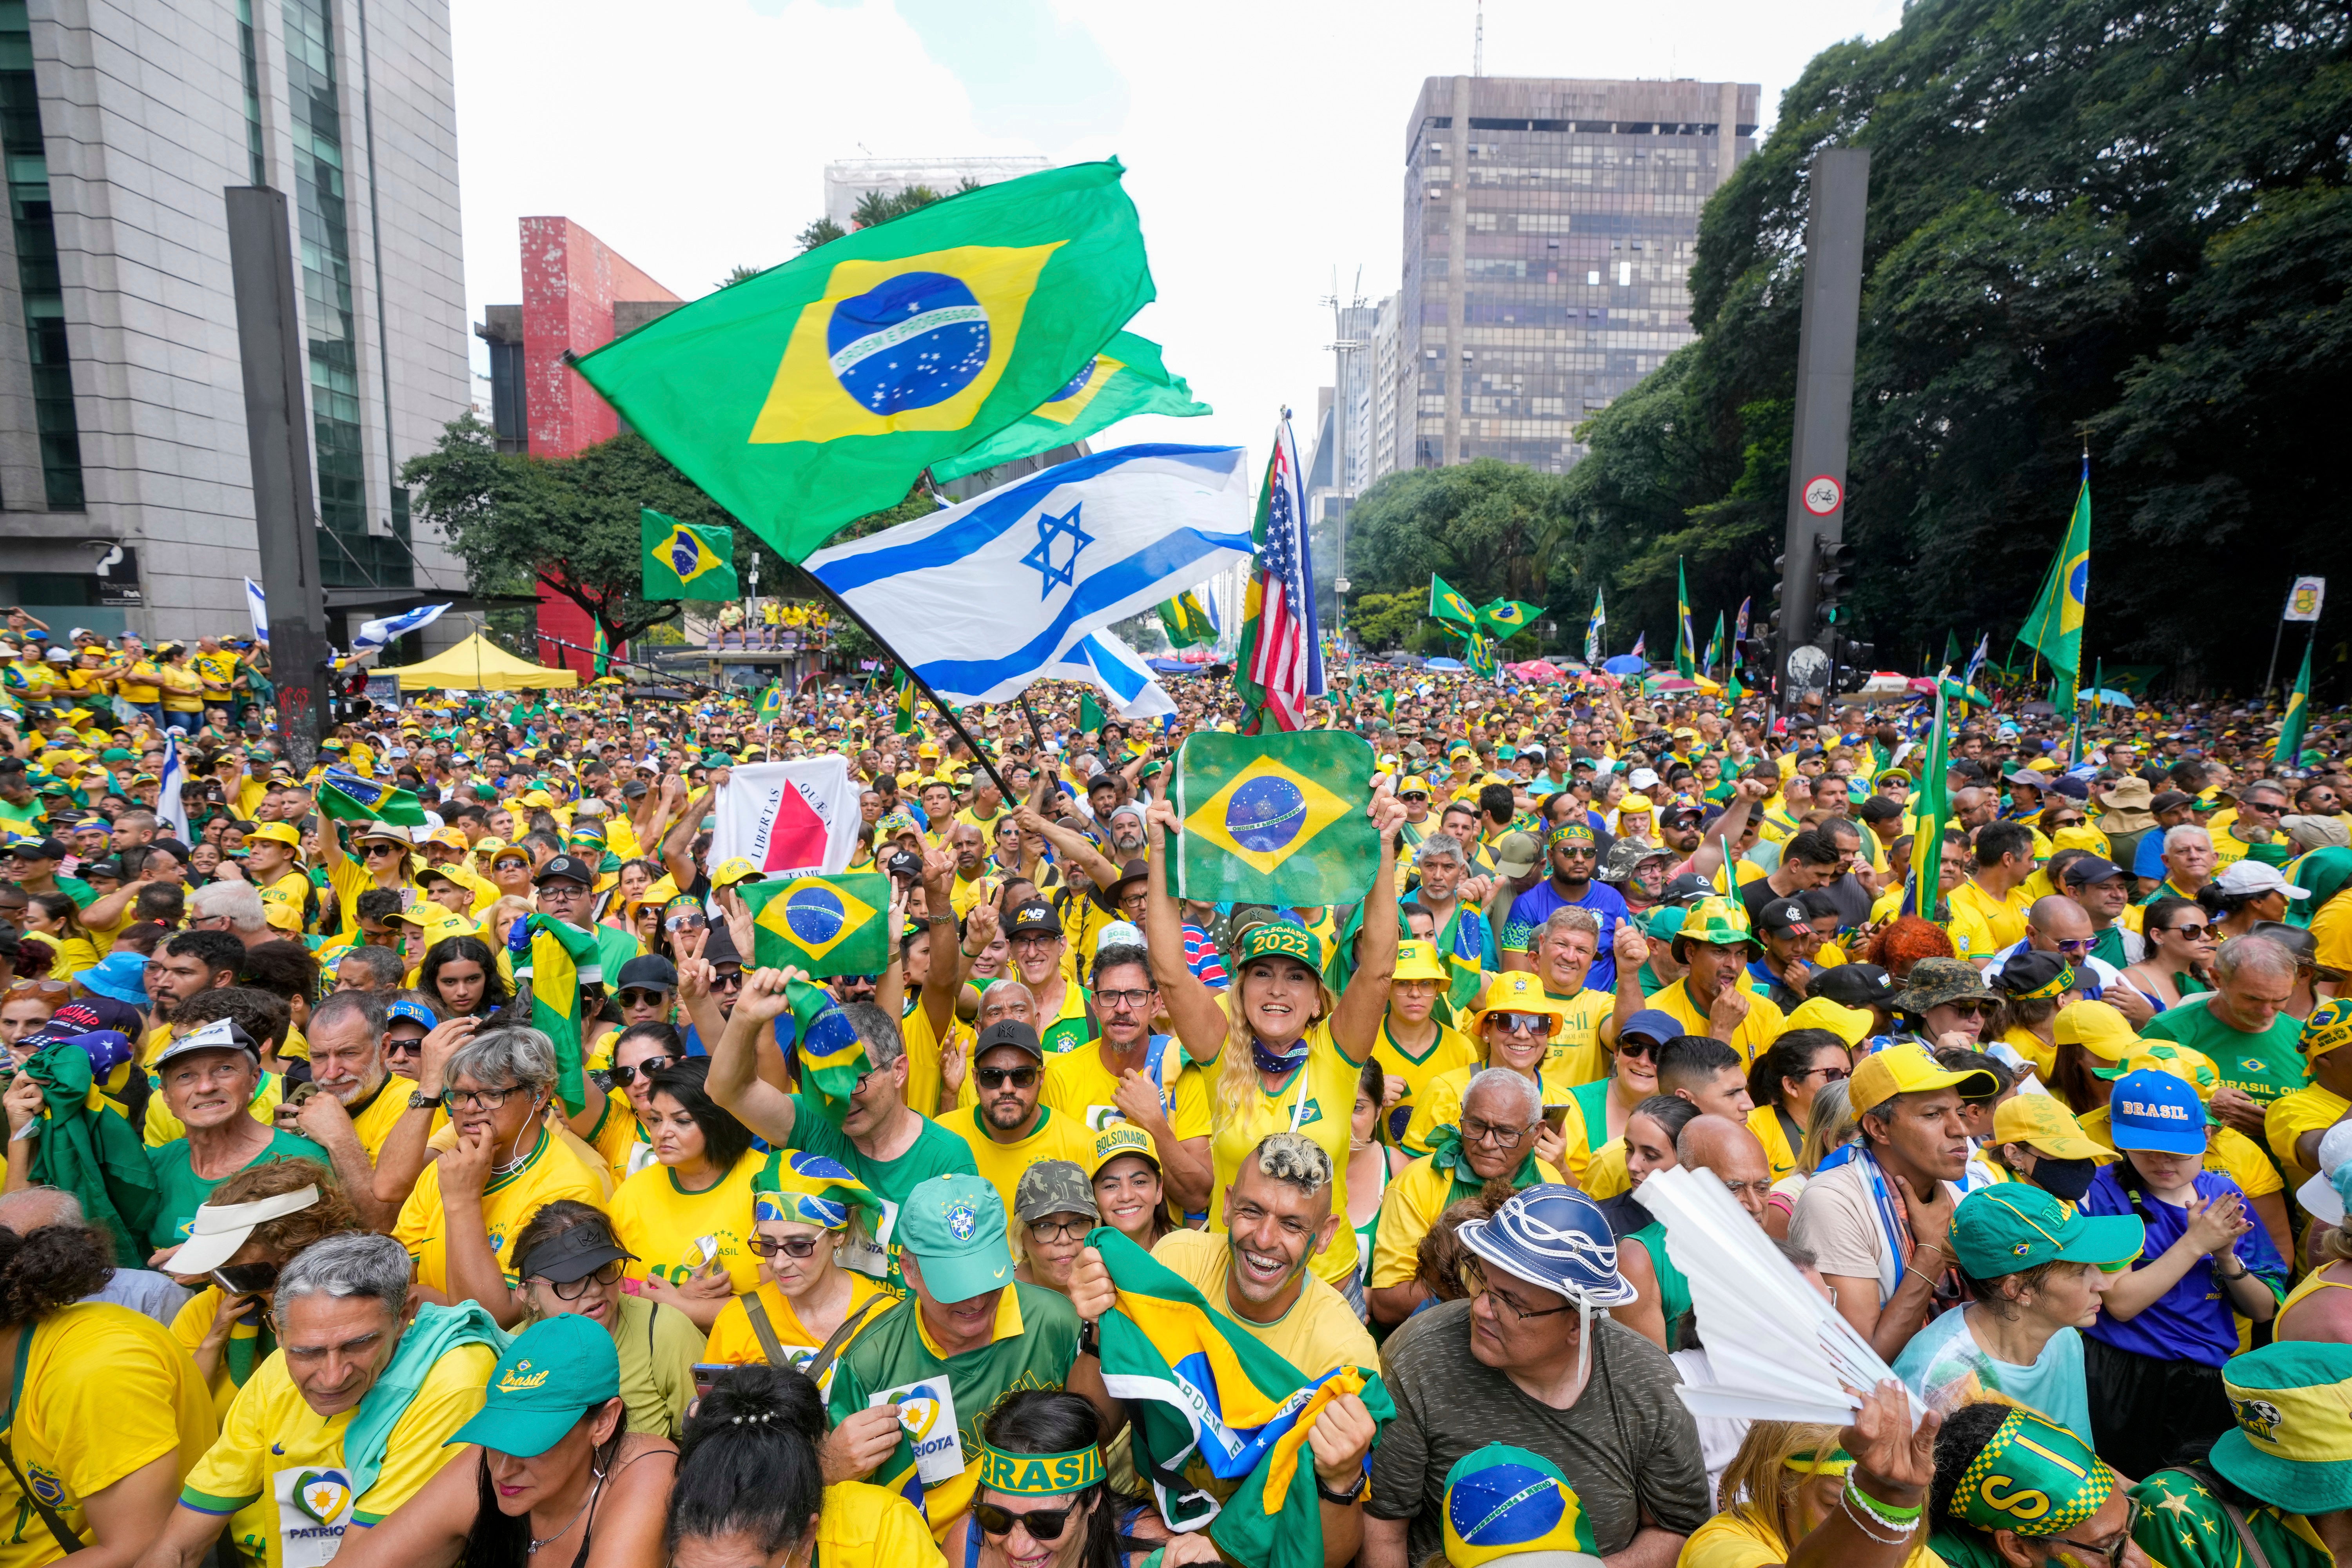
{"x":121,"y":976}
{"x":415,"y":1012}
{"x":1652,"y":1024}
{"x":2157,"y":1112}
{"x":1555,"y":1238}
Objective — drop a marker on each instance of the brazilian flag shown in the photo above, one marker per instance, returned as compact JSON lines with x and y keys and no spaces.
{"x":1275,"y":819}
{"x":833,"y":1058}
{"x":1125,"y":378}
{"x":903,"y":722}
{"x":346,"y":796}
{"x":1480,"y":656}
{"x":819,"y":391}
{"x":1186,"y":621}
{"x":554,"y":961}
{"x":683,"y":562}
{"x":826,"y":925}
{"x":771,"y":703}
{"x":2288,"y":753}
{"x":1505,"y":618}
{"x":1445,"y":604}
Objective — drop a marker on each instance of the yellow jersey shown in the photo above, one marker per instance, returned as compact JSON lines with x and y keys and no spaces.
{"x":864,"y":1526}
{"x":676,"y":1234}
{"x":1416,"y":1196}
{"x":735,"y":1343}
{"x":1319,"y":1100}
{"x":550,"y":1171}
{"x":1764,"y":1023}
{"x":1078,"y":1086}
{"x":1441,"y":1106}
{"x":1001,"y":1165}
{"x":1450,"y":1049}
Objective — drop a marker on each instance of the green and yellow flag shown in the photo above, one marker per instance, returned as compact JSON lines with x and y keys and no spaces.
{"x":1445,"y":604}
{"x":1186,"y":620}
{"x":2055,"y":627}
{"x":345,"y":796}
{"x":1274,"y":819}
{"x":1480,"y":656}
{"x":826,"y":925}
{"x":820,"y":390}
{"x":1931,"y":816}
{"x":2289,"y":750}
{"x":686,"y":560}
{"x":902,"y":721}
{"x":771,"y":703}
{"x":1090,"y":713}
{"x":1125,"y":378}
{"x":556,"y":959}
{"x":1505,"y":618}
{"x":1686,"y":643}
{"x":831,"y":1055}
{"x":600,"y":647}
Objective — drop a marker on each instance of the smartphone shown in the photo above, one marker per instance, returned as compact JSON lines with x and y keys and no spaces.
{"x":706,"y":1372}
{"x":1556,"y":1117}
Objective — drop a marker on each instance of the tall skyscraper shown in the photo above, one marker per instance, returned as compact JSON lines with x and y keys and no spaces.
{"x":852,"y":180}
{"x":1549,"y":233}
{"x":125,"y":489}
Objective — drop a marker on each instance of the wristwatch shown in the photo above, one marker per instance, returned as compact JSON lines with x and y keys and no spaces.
{"x":1344,"y":1499}
{"x":420,"y":1101}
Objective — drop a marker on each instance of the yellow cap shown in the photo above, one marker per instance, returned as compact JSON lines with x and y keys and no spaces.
{"x":276,"y":833}
{"x":1418,"y":961}
{"x":1515,"y":991}
{"x":1121,"y":1137}
{"x":1413,"y":783}
{"x":2040,"y":1119}
{"x":1851,"y":1024}
{"x":1909,"y":1070}
{"x":2095,"y":1026}
{"x":729,"y":872}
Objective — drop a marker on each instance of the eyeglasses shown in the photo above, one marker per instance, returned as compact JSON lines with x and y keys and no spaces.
{"x":2078,"y":948}
{"x":572,"y":1290}
{"x":1501,"y":1137}
{"x":1576,"y":852}
{"x":2193,"y":932}
{"x":1522,"y":1022}
{"x":1970,"y":1009}
{"x":1637,"y":1048}
{"x":728,"y":980}
{"x":2113,"y":1548}
{"x":997,"y":1078}
{"x":403,"y":1047}
{"x":625,"y":1075}
{"x":1043,"y":1523}
{"x":1122,"y":1000}
{"x":632,"y":996}
{"x":1473,"y":1281}
{"x":1761,"y":1186}
{"x":372,"y":850}
{"x":482,"y":1099}
{"x":1060,"y":1230}
{"x":797,"y":1247}
{"x":2267,"y":807}
{"x":1828,"y":1075}
{"x":686,"y":922}
{"x":23,"y":988}
{"x":2067,"y":822}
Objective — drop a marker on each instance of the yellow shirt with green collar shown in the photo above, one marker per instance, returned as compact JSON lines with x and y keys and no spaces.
{"x":271,"y":1437}
{"x":1450,"y":1048}
{"x":1982,"y":925}
{"x":1764,"y":1023}
{"x":1318,"y":1100}
{"x":676,"y":1234}
{"x":1000,"y":1165}
{"x":1441,"y":1106}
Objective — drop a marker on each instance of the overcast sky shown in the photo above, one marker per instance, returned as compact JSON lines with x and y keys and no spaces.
{"x":1264,"y":141}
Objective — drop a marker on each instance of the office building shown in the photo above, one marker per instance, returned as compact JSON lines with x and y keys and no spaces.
{"x":122,"y":437}
{"x":1549,"y":233}
{"x":852,"y":180}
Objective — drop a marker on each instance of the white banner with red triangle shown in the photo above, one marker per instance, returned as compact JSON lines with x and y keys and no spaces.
{"x":787,"y":816}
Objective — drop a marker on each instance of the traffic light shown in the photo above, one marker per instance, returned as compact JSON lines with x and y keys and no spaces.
{"x":1834,"y":574}
{"x":1856,"y":661}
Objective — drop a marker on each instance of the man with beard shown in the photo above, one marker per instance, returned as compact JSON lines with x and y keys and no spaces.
{"x":359,"y":1100}
{"x":1011,"y":1130}
{"x":1129,"y":1074}
{"x":1638,"y":871}
{"x":190,"y":962}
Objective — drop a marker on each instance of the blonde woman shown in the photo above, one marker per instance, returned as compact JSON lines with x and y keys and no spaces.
{"x":1816,"y":1497}
{"x":1287,"y":1055}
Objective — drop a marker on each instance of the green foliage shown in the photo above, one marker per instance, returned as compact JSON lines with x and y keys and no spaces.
{"x":1386,"y":622}
{"x":1493,"y":530}
{"x":873,"y":207}
{"x":739,"y":273}
{"x":823,"y":231}
{"x":2086,"y":219}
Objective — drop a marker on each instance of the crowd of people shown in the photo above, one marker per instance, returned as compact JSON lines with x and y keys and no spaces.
{"x":326,"y":1236}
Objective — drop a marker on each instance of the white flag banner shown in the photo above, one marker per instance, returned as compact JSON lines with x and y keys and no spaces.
{"x":787,"y":816}
{"x":2303,"y":601}
{"x":170,"y":808}
{"x":257,"y":606}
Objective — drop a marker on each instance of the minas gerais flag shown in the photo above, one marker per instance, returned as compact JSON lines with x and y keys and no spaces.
{"x":1275,"y":819}
{"x":820,"y":390}
{"x":684,"y":561}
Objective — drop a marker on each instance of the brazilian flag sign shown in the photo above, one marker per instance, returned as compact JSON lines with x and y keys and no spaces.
{"x":826,"y":925}
{"x":683,"y":562}
{"x":1126,"y":378}
{"x":818,"y":391}
{"x":831,"y":1057}
{"x":1275,"y":819}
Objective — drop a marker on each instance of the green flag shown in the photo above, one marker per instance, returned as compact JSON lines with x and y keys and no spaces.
{"x":684,"y":561}
{"x":825,"y":925}
{"x":1125,"y":378}
{"x":1685,"y":645}
{"x":2055,"y":627}
{"x":555,"y":960}
{"x":833,"y":1059}
{"x":1090,"y":713}
{"x":1445,"y":604}
{"x":1480,"y":656}
{"x":2298,"y":717}
{"x":1186,"y":620}
{"x":1931,"y":814}
{"x":1952,"y":655}
{"x":1505,"y":618}
{"x":902,"y":718}
{"x":1714,"y":647}
{"x":1274,"y":819}
{"x":820,"y":390}
{"x":346,"y":796}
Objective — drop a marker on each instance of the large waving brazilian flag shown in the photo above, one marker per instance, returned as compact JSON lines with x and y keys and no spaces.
{"x":1216,"y":1413}
{"x":1505,"y":618}
{"x":345,"y":796}
{"x":1274,"y":819}
{"x":826,"y":925}
{"x":1447,"y":604}
{"x":820,"y":390}
{"x":685,"y":562}
{"x":1126,"y":378}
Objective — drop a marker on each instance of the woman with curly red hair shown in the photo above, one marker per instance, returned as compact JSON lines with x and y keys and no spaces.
{"x":1903,"y":942}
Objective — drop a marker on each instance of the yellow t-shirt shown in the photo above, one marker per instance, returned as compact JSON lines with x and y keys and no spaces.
{"x":184,"y":689}
{"x":667,"y":1227}
{"x":1078,"y":1086}
{"x":1319,"y":1332}
{"x":1978,"y":919}
{"x":551,"y":1171}
{"x":1001,"y":1165}
{"x":924,"y":1046}
{"x":1735,"y":1541}
{"x":864,"y":1526}
{"x":1452,"y":1048}
{"x":1416,"y":1196}
{"x":271,"y":1435}
{"x":283,"y":901}
{"x":1576,"y":1055}
{"x":2310,"y":1108}
{"x":733,"y":1342}
{"x":620,"y":1139}
{"x":1441,"y":1106}
{"x":2331,"y":932}
{"x":1765,"y":1022}
{"x":190,"y":1327}
{"x":140,"y":681}
{"x":1319,"y":1100}
{"x":218,"y":666}
{"x":101,"y":1391}
{"x":373,"y":1122}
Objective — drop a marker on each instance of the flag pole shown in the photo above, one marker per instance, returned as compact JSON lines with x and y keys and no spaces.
{"x":2270,"y":676}
{"x":987,"y":763}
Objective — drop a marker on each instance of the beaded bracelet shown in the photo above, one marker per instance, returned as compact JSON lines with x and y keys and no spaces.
{"x":1885,"y":1512}
{"x":1862,"y":1522}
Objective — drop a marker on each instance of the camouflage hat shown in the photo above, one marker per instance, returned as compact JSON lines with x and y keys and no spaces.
{"x":1051,"y":1187}
{"x":1936,"y":982}
{"x":1627,"y":854}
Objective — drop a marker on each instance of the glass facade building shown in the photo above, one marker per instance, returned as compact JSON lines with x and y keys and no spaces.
{"x":34,"y":228}
{"x":1549,"y":233}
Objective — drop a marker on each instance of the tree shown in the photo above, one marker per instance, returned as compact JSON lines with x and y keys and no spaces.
{"x":739,"y":273}
{"x":1491,"y":528}
{"x":823,"y":231}
{"x":2089,"y":221}
{"x":875,"y":207}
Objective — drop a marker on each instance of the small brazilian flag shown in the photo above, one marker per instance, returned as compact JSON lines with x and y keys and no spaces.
{"x":1508,"y":618}
{"x":820,"y":390}
{"x":1445,"y":604}
{"x":831,"y":1055}
{"x":1481,"y":655}
{"x":771,"y":703}
{"x":1125,"y":378}
{"x":683,"y":562}
{"x":345,"y":796}
{"x":904,"y":722}
{"x":1275,"y":819}
{"x":1186,"y":621}
{"x":826,"y":925}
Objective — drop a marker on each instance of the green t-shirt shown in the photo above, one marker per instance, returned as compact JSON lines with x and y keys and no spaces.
{"x":80,"y":892}
{"x":2264,"y":1066}
{"x":2182,"y":1525}
{"x":936,"y":1151}
{"x":182,"y":1191}
{"x":1960,"y":1546}
{"x":890,"y":1352}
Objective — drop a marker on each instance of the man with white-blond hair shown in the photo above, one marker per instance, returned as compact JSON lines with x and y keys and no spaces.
{"x":233,"y":907}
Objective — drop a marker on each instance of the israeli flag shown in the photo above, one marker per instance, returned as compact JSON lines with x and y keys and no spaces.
{"x":375,"y":636}
{"x":1023,"y":582}
{"x":171,"y":809}
{"x":256,"y":605}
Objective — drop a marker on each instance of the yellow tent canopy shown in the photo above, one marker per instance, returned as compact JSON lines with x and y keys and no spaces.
{"x":478,"y":664}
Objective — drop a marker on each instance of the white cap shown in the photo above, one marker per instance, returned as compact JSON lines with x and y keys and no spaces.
{"x":2254,"y":877}
{"x":1642,"y":778}
{"x":1119,"y":933}
{"x":219,"y":1229}
{"x":60,"y":656}
{"x":383,"y":830}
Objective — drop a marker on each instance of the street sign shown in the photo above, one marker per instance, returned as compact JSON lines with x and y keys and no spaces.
{"x":1823,"y":495}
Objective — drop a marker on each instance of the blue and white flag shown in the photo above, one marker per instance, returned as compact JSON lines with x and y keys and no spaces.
{"x":1114,"y":668}
{"x":1977,"y":659}
{"x":170,"y":808}
{"x":256,"y":605}
{"x":1002,"y":590}
{"x":375,"y":636}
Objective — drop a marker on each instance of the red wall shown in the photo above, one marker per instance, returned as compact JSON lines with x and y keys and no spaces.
{"x":570,"y":282}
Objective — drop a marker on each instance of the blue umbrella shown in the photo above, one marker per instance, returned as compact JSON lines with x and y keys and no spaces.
{"x":1626,"y":664}
{"x":1445,"y":664}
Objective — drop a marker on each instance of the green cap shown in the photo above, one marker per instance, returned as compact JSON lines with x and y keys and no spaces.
{"x":2011,"y":1226}
{"x":553,"y":1373}
{"x":2032,"y":1477}
{"x":954,"y":1227}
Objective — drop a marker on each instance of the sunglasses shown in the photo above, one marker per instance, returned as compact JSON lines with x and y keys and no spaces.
{"x":403,"y":1048}
{"x":572,"y":1290}
{"x":2193,"y":932}
{"x":1043,"y":1523}
{"x":795,"y":1246}
{"x":626,"y":1075}
{"x":1522,"y":1022}
{"x":997,"y":1078}
{"x":372,"y":850}
{"x":1970,"y":1009}
{"x":686,"y":922}
{"x":631,"y":997}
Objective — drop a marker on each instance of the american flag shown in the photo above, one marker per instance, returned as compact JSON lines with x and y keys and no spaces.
{"x":1280,"y":664}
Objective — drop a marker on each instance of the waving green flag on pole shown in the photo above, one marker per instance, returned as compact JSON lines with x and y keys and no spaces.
{"x":1931,"y":815}
{"x":2054,"y":629}
{"x":1505,"y":618}
{"x":820,"y":390}
{"x":1686,"y":650}
{"x":1445,"y":604}
{"x":683,"y":560}
{"x":1186,"y":621}
{"x":2298,"y":717}
{"x":1714,"y":647}
{"x":1125,"y":378}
